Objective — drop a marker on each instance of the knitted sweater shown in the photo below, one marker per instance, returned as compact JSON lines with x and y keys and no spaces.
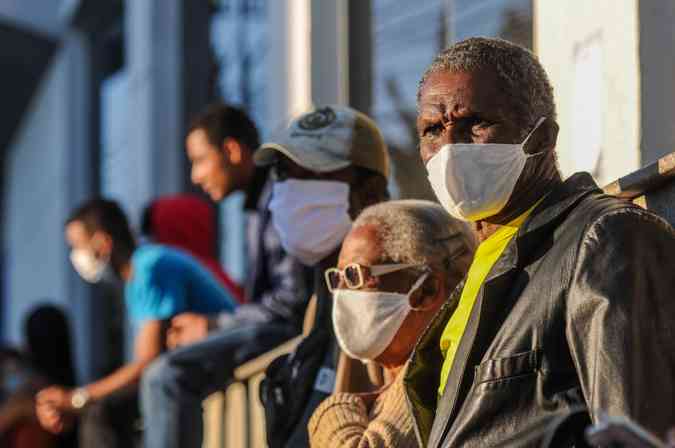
{"x":342,"y":421}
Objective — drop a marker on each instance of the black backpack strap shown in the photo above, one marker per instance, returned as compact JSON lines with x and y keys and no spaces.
{"x":297,"y":383}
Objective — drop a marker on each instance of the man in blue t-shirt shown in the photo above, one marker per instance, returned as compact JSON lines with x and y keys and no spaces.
{"x":166,"y":282}
{"x":160,"y":283}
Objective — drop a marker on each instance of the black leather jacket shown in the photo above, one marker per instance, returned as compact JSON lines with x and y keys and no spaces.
{"x":578,"y":311}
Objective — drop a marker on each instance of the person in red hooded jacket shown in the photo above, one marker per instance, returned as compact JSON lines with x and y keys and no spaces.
{"x":187,"y":222}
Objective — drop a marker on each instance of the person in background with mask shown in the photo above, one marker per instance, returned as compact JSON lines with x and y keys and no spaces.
{"x":220,"y":145}
{"x":397,"y":267}
{"x":328,"y":165}
{"x":160,"y":282}
{"x":569,"y":299}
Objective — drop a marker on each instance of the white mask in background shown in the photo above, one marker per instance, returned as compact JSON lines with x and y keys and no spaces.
{"x":474,"y":181}
{"x":90,"y":268}
{"x":311,"y":217}
{"x":365,"y":322}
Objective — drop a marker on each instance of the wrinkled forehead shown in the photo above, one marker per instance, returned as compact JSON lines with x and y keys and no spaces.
{"x":444,"y":91}
{"x":362,"y":245}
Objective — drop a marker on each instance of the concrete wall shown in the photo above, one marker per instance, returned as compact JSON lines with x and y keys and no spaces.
{"x":290,"y":88}
{"x":46,"y":174}
{"x":591,"y":53}
{"x":153,"y":43}
{"x":330,"y":53}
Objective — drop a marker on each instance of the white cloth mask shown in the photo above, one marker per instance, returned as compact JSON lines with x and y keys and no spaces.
{"x":90,"y":268}
{"x":311,"y":217}
{"x":474,"y":181}
{"x":365,"y":322}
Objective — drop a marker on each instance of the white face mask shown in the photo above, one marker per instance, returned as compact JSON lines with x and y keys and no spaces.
{"x":365,"y":322}
{"x":475,"y":181}
{"x":311,"y":217}
{"x":90,"y":268}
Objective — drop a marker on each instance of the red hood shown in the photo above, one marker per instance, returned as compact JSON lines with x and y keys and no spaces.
{"x":189,"y":223}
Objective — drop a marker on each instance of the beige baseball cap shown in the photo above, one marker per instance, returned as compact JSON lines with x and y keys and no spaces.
{"x":329,"y":138}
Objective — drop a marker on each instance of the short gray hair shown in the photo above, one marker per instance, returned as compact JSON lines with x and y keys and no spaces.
{"x":419,"y":232}
{"x":522,"y":76}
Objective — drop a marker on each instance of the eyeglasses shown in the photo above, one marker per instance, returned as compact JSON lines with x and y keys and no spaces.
{"x":354,"y":276}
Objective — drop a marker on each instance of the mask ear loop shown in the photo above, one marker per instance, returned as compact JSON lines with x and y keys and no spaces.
{"x":415,"y":287}
{"x":522,"y":145}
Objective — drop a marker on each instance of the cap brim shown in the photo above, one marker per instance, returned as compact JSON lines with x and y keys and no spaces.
{"x":313,"y":160}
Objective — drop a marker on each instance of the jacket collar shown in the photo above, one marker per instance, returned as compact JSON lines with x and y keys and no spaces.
{"x":559,"y":201}
{"x":498,"y":294}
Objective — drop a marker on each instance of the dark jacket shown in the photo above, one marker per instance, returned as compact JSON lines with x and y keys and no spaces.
{"x":278,"y":287}
{"x":578,"y":311}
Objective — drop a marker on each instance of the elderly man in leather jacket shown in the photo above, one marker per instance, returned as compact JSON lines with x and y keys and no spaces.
{"x":570,"y":300}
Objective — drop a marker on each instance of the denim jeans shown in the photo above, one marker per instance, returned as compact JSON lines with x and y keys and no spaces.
{"x":174,"y":386}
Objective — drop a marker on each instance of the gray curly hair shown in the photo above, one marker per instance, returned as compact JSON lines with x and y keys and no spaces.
{"x":523,"y":78}
{"x":420,"y":232}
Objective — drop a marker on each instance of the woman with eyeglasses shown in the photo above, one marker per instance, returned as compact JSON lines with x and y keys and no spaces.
{"x":397,"y":267}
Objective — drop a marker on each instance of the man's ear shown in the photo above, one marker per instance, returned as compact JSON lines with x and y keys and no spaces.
{"x":544,"y":137}
{"x":233,"y":151}
{"x":102,"y":243}
{"x":551,"y":134}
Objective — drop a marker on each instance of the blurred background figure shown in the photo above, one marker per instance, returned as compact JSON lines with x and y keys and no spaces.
{"x":160,"y":282}
{"x":220,"y":145}
{"x":47,"y":360}
{"x":187,"y":222}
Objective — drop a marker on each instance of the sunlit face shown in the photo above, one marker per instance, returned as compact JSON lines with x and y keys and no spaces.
{"x":461,"y":107}
{"x":362,"y":245}
{"x":209,"y":168}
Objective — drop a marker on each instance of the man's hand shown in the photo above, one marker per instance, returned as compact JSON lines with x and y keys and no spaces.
{"x":52,"y":406}
{"x":57,"y":397}
{"x":187,"y":328}
{"x":49,"y":418}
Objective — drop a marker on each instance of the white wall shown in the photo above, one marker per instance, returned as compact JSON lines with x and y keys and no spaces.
{"x":596,"y":43}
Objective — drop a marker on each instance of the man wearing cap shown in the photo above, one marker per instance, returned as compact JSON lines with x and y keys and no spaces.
{"x":328,"y":165}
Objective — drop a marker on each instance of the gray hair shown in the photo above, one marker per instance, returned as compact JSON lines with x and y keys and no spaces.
{"x":420,"y":232}
{"x":522,"y":77}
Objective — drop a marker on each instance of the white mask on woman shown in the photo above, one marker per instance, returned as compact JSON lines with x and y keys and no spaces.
{"x":311,"y":217}
{"x":365,"y":322}
{"x":474,"y":181}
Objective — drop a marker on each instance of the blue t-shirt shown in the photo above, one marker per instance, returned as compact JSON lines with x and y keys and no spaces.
{"x":166,"y":282}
